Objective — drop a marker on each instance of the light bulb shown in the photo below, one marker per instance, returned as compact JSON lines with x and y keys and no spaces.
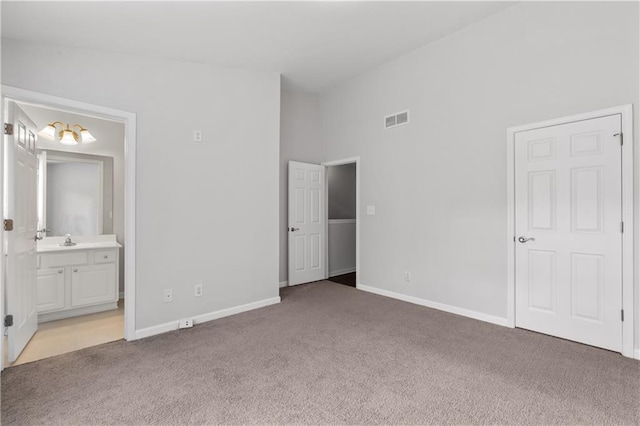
{"x":67,"y":138}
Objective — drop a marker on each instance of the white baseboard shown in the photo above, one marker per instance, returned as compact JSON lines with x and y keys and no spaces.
{"x":636,"y":354}
{"x":199,"y":319}
{"x":284,"y":284}
{"x":341,"y":272}
{"x":435,"y":305}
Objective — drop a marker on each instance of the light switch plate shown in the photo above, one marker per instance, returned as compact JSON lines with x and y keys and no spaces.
{"x":371,"y":210}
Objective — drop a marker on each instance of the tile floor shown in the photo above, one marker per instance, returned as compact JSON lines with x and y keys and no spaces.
{"x":70,"y":334}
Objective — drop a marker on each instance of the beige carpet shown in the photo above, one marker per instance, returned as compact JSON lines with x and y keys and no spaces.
{"x":330,"y":354}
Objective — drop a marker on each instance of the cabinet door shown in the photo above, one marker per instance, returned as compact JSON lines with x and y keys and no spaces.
{"x":93,"y":284}
{"x":50,"y":289}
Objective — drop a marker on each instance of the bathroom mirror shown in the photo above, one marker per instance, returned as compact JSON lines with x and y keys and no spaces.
{"x":75,"y":193}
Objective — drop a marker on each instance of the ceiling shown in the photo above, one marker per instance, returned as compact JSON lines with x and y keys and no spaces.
{"x":314,"y":45}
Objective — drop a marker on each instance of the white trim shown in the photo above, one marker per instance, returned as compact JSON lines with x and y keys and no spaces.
{"x":435,"y":305}
{"x":349,"y":160}
{"x":628,"y":215}
{"x":284,"y":284}
{"x":341,"y":221}
{"x":129,"y":120}
{"x":174,"y":325}
{"x":342,"y":272}
{"x":637,"y":354}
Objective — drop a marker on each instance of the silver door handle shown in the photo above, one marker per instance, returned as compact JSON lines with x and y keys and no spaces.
{"x":525,"y":239}
{"x":294,"y":229}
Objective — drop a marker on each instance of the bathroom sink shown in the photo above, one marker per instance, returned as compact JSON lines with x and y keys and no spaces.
{"x":54,"y":244}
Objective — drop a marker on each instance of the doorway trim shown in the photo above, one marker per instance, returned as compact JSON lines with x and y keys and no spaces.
{"x":129,"y":121}
{"x":350,"y":160}
{"x":628,"y":216}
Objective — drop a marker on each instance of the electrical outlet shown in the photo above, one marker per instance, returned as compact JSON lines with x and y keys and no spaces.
{"x":407,"y":276}
{"x":168,"y":295}
{"x":186,"y":323}
{"x":197,"y":135}
{"x":371,"y":210}
{"x":198,"y":290}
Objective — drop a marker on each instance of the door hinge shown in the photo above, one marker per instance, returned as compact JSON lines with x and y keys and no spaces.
{"x":8,"y":321}
{"x":621,"y":227}
{"x":8,"y":224}
{"x":622,"y":314}
{"x":8,"y":129}
{"x":621,"y":137}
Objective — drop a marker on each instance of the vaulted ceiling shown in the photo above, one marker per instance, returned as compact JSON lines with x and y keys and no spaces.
{"x":315,"y":45}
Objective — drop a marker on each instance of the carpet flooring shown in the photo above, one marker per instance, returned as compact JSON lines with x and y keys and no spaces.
{"x":329,"y":354}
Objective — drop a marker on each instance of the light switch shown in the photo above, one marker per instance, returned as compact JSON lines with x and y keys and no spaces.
{"x":197,"y":135}
{"x":371,"y":210}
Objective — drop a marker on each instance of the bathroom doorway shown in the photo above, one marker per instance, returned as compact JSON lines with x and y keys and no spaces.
{"x":85,"y":190}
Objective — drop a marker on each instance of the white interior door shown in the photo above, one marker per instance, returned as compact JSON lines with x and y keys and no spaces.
{"x":307,"y":223}
{"x":568,"y":182}
{"x":20,"y":206}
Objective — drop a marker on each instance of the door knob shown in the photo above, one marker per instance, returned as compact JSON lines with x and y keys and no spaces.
{"x":295,"y":229}
{"x":525,"y":239}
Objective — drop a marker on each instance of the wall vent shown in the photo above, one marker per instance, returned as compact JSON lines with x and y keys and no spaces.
{"x":397,"y":119}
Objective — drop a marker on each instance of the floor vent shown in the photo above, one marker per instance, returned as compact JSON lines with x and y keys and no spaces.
{"x":397,"y":119}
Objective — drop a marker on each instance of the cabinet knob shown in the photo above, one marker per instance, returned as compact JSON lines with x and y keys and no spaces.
{"x":106,"y":257}
{"x":75,"y":270}
{"x":59,"y":271}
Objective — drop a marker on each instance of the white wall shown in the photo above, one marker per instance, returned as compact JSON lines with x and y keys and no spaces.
{"x":300,"y":140}
{"x":192,"y":224}
{"x":439,"y":183}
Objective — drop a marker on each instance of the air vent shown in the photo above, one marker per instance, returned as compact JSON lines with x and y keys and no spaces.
{"x":397,"y":119}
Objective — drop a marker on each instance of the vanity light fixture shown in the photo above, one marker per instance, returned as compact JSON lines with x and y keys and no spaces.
{"x":67,"y":136}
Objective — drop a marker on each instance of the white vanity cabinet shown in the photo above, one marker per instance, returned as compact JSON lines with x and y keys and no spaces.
{"x":50,"y":289}
{"x":77,"y":280}
{"x":93,"y":284}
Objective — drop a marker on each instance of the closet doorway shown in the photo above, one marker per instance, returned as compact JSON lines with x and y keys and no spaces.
{"x":342,"y":224}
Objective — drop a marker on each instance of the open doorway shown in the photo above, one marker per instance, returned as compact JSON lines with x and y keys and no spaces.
{"x":323,"y":244}
{"x":79,"y":281}
{"x":80,"y":198}
{"x":342,"y":223}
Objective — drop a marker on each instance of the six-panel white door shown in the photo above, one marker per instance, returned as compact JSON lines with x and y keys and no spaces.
{"x":20,"y":205}
{"x":307,"y":223}
{"x":568,"y":231}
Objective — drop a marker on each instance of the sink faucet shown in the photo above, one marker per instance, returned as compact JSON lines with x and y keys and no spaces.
{"x":68,"y":241}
